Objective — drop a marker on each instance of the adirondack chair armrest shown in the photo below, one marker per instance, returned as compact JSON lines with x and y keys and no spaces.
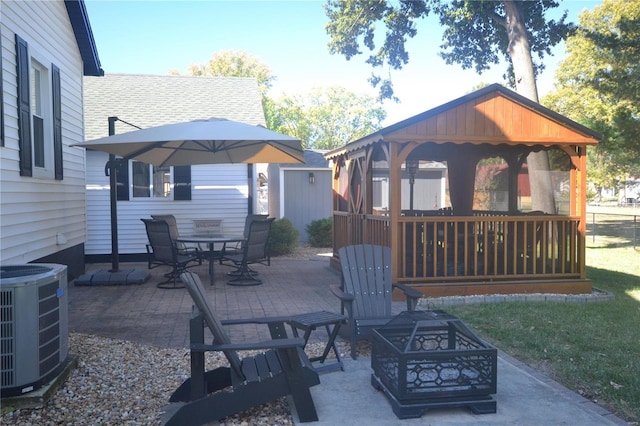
{"x":265,"y":345}
{"x":265,"y":320}
{"x":411,"y":294}
{"x":346,"y":299}
{"x":340,"y":294}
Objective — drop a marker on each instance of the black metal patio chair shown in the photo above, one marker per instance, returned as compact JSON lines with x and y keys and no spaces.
{"x":162,"y":251}
{"x":173,"y":230}
{"x":254,"y":251}
{"x":238,"y":248}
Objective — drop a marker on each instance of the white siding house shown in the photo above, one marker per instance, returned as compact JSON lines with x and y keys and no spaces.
{"x":226,"y":191}
{"x":46,"y":48}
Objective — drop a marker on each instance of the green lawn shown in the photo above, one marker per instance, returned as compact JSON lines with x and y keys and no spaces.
{"x":591,"y":348}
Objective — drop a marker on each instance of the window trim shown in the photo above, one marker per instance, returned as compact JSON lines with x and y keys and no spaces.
{"x":51,"y":99}
{"x":46,"y":114}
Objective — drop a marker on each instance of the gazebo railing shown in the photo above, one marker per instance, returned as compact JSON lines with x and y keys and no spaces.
{"x":488,"y":247}
{"x":351,"y":229}
{"x":471,"y":248}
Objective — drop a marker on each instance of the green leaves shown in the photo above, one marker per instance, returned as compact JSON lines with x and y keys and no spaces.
{"x":475,"y":32}
{"x":598,"y":84}
{"x":325,"y":118}
{"x":228,"y":63}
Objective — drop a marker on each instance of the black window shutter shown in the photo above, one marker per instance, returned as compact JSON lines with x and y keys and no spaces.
{"x":24,"y":111}
{"x":1,"y":99}
{"x":57,"y":121}
{"x":122,"y":176}
{"x":182,"y":183}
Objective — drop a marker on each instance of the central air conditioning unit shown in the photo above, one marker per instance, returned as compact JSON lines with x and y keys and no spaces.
{"x":34,"y":333}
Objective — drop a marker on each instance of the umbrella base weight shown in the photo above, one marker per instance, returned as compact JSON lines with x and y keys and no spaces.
{"x":106,"y":277}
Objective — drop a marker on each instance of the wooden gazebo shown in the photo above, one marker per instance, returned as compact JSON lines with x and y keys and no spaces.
{"x":473,"y":231}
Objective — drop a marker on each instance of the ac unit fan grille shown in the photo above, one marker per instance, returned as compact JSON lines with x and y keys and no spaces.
{"x":7,"y":355}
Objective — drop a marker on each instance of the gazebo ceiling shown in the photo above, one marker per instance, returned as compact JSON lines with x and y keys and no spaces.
{"x":492,"y":115}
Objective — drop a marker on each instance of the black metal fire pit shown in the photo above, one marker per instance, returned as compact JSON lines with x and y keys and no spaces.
{"x":429,"y":359}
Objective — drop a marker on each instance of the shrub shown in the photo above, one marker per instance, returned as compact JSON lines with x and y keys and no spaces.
{"x":320,"y":232}
{"x":284,"y":237}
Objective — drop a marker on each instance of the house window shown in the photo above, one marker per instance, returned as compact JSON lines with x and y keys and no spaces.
{"x":150,"y":181}
{"x":39,"y":119}
{"x":42,"y":151}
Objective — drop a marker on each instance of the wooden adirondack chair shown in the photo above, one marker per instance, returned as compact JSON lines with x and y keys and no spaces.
{"x":282,"y":369}
{"x":365,"y":293}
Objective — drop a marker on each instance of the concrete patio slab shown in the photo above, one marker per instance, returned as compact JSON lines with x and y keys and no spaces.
{"x":150,"y":315}
{"x":524,"y":398}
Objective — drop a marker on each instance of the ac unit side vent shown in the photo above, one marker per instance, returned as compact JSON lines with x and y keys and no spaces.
{"x":49,"y":327}
{"x":49,"y":357}
{"x":7,"y":350}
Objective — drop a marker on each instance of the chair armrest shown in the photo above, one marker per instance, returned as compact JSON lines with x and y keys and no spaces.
{"x":346,"y":299}
{"x":264,"y":345}
{"x":264,"y":320}
{"x":340,"y":294}
{"x":411,"y":294}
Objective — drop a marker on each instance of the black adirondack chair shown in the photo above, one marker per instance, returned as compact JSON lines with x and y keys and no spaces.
{"x":282,"y":369}
{"x":365,"y":293}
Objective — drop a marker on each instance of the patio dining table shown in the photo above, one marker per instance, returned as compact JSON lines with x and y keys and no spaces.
{"x":211,"y":240}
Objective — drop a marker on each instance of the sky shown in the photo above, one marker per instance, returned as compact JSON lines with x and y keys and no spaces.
{"x":156,"y":37}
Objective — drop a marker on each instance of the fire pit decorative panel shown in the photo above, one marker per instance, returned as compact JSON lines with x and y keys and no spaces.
{"x":431,"y":359}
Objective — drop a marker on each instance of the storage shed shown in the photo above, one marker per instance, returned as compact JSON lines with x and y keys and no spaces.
{"x":301,"y":192}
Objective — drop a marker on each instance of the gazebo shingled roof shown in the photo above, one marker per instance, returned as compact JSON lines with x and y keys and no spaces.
{"x":489,"y":115}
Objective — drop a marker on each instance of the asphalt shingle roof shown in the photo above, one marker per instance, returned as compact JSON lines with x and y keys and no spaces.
{"x":153,"y":100}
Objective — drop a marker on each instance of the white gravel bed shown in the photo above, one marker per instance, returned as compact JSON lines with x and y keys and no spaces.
{"x":125,"y":383}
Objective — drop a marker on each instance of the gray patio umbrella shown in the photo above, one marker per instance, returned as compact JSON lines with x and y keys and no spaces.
{"x":212,"y":141}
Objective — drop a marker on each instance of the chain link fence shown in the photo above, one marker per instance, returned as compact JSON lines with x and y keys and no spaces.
{"x":613,"y":227}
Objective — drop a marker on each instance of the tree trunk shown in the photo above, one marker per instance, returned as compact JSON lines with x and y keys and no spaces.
{"x":519,"y":50}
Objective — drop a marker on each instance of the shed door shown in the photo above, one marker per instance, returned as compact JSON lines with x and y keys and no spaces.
{"x":305,"y":202}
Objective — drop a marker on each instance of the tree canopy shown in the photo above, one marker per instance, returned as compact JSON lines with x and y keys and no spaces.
{"x":605,"y":95}
{"x":229,"y":63}
{"x":325,"y":118}
{"x":477,"y":34}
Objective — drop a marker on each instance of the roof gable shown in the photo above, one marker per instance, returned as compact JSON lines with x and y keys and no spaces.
{"x":492,"y":115}
{"x":84,"y":37}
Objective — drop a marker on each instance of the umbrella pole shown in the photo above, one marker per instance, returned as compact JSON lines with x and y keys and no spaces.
{"x":114,"y":213}
{"x":113,"y":195}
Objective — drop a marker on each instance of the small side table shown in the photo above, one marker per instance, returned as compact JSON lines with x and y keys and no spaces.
{"x":308,"y":322}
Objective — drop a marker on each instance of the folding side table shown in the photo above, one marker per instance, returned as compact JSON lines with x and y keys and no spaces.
{"x":309,"y":322}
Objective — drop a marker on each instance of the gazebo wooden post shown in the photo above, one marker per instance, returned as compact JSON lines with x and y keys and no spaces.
{"x":367,"y":182}
{"x":582,"y":206}
{"x":395,"y":208}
